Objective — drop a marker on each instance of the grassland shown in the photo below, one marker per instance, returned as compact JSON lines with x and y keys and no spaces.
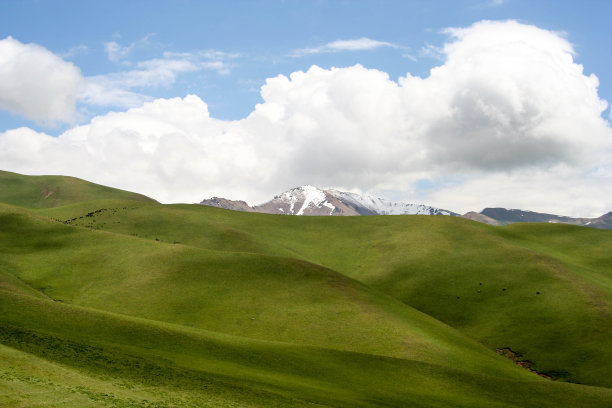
{"x":115,"y":300}
{"x":54,"y":191}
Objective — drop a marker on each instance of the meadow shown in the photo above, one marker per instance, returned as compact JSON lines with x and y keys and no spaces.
{"x":110,"y":299}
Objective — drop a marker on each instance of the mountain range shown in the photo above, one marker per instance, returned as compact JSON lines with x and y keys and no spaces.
{"x":311,"y":200}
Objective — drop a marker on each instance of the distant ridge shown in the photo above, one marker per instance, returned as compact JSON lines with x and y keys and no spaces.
{"x":54,"y":191}
{"x":505,"y":216}
{"x":310,"y":200}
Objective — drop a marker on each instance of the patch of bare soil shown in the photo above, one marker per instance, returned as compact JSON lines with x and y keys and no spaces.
{"x":526,"y":364}
{"x":47,"y":193}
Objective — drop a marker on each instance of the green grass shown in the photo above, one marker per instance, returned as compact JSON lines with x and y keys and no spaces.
{"x":259,"y":296}
{"x":452,"y":269}
{"x":117,"y":359}
{"x":115,"y":301}
{"x":54,"y":191}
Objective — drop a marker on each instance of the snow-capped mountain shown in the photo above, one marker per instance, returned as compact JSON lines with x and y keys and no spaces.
{"x":310,"y":200}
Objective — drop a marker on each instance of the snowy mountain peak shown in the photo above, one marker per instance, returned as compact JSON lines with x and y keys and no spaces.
{"x":311,"y":200}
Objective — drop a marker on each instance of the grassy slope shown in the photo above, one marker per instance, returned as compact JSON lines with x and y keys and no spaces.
{"x":245,"y":294}
{"x":54,"y":191}
{"x":54,"y":350}
{"x":579,"y":249}
{"x":171,"y":364}
{"x":428,"y":262}
{"x":424,"y":261}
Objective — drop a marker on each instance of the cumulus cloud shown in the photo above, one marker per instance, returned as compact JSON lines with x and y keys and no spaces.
{"x":513,"y":97}
{"x":508,"y":119}
{"x":359,"y":44}
{"x":36,"y":83}
{"x":164,"y":148}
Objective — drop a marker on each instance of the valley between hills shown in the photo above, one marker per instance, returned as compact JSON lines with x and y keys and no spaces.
{"x":111,"y":299}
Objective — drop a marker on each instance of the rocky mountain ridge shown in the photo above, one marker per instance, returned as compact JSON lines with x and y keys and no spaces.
{"x":505,"y":216}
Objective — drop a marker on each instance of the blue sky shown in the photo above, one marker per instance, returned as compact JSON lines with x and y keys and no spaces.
{"x":127,"y":53}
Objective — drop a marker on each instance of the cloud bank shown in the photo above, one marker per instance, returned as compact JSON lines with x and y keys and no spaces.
{"x":509,"y":119}
{"x":36,"y":83}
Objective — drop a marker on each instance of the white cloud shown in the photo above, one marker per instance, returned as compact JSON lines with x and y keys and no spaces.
{"x":560,"y":190}
{"x":41,"y":86}
{"x":359,"y":44}
{"x":103,"y":91}
{"x":212,"y":60}
{"x":150,"y":73}
{"x":508,"y":119}
{"x":36,"y":83}
{"x":431,"y":51}
{"x":125,"y":89}
{"x":118,"y":53}
{"x":166,"y":148}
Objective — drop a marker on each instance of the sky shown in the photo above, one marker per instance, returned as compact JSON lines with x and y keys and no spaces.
{"x":457,"y":104}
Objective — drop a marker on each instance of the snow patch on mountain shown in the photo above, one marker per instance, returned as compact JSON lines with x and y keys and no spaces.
{"x":383,"y":206}
{"x":304,"y":197}
{"x":311,"y":196}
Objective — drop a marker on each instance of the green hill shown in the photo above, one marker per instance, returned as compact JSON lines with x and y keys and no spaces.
{"x":57,"y":353}
{"x":54,"y":191}
{"x":118,"y":301}
{"x":498,"y":286}
{"x":258,"y":296}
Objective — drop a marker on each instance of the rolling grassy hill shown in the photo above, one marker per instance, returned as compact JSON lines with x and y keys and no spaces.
{"x":121,"y":301}
{"x":54,"y":191}
{"x":501,"y":286}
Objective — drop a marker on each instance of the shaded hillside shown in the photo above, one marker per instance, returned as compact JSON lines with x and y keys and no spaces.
{"x":54,"y":353}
